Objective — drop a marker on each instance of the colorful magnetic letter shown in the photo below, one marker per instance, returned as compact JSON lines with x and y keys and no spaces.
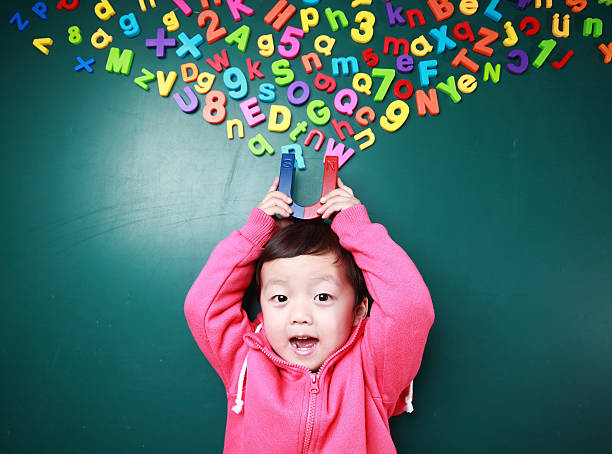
{"x":299,"y":156}
{"x":42,"y":43}
{"x":190,"y":45}
{"x":160,"y":43}
{"x":85,"y":64}
{"x":523,"y":61}
{"x":193,"y":100}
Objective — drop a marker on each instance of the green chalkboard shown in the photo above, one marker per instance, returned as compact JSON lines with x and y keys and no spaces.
{"x":112,"y":199}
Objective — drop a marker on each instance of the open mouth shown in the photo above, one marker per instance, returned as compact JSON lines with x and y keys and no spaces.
{"x":304,"y":345}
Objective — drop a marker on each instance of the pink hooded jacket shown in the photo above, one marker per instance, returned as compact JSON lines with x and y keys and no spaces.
{"x":279,"y":407}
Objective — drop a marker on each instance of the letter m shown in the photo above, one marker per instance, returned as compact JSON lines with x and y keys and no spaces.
{"x":396,"y":44}
{"x":344,"y":63}
{"x":119,"y":63}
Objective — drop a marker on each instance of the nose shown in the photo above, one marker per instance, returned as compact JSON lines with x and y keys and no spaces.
{"x":301,"y":313}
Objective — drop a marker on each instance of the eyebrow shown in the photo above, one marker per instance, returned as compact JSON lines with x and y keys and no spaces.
{"x":322,"y":277}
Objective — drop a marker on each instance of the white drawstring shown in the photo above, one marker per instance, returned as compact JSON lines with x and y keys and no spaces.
{"x":409,"y":407}
{"x":237,"y":408}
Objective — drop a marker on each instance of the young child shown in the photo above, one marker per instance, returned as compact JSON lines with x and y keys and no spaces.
{"x":322,"y":376}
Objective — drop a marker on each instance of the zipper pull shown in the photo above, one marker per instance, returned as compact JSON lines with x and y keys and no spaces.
{"x":314,"y":388}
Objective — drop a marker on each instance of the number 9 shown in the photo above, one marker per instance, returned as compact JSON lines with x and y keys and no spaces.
{"x":236,"y":83}
{"x":392,"y":120}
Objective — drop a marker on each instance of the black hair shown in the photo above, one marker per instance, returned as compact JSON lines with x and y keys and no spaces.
{"x":311,"y":237}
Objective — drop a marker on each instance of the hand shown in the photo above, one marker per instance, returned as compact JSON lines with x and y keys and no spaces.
{"x":338,"y":200}
{"x":277,"y":202}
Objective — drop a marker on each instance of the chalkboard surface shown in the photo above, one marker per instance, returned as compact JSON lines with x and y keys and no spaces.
{"x":113,"y":198}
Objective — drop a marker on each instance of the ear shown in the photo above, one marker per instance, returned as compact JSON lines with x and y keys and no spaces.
{"x":360,"y":311}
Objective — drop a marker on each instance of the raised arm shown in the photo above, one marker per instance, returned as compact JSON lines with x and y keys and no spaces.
{"x":213,"y":306}
{"x":402,"y":311}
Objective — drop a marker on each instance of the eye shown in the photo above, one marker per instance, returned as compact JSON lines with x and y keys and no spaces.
{"x":279,"y":300}
{"x":325,"y":297}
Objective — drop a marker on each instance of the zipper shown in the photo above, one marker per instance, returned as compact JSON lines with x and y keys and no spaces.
{"x":314,"y":390}
{"x":314,"y":385}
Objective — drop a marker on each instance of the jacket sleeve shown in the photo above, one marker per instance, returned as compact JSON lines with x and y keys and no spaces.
{"x":402,"y":311}
{"x":213,"y":306}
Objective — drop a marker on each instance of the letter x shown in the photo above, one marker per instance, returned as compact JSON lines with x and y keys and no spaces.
{"x":85,"y":64}
{"x":161,"y":42}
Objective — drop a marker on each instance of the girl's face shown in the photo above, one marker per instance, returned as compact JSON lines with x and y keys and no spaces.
{"x":308,"y":296}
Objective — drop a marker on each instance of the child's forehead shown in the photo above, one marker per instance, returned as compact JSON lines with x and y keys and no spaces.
{"x":304,"y":267}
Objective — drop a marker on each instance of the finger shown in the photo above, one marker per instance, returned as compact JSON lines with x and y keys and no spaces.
{"x":281,"y":196}
{"x":338,"y":192}
{"x":329,"y":208}
{"x":274,"y":184}
{"x":344,"y":186}
{"x":283,"y":209}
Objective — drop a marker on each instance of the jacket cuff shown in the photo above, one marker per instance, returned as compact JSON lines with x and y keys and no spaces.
{"x":259,"y":227}
{"x":350,"y":220}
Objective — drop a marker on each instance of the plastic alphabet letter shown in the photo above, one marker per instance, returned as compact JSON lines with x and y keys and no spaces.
{"x":184,"y":7}
{"x":364,"y":87}
{"x":129,"y":25}
{"x":300,"y":128}
{"x":523,"y":61}
{"x":450,"y":88}
{"x":280,"y":14}
{"x":444,"y":42}
{"x":171,"y":21}
{"x":42,"y":43}
{"x":142,"y":81}
{"x":566,"y":26}
{"x":365,"y":133}
{"x":193,"y":101}
{"x":252,"y":112}
{"x":40,"y":8}
{"x":345,"y":108}
{"x":547,"y":45}
{"x":95,"y":39}
{"x":365,"y":116}
{"x":427,"y":69}
{"x":329,"y":44}
{"x":338,"y":128}
{"x":561,"y":64}
{"x":160,"y":43}
{"x":532,"y":22}
{"x":164,"y":85}
{"x":318,"y":113}
{"x":590,"y":27}
{"x":68,"y":5}
{"x":491,"y":13}
{"x":104,"y":10}
{"x":190,"y":45}
{"x":230,"y":128}
{"x":311,"y":134}
{"x":299,"y":156}
{"x":119,"y":63}
{"x":338,"y":150}
{"x":263,"y":144}
{"x":468,"y":7}
{"x":462,"y":59}
{"x":21,"y":26}
{"x":291,"y":90}
{"x":607,"y":51}
{"x":511,"y":39}
{"x":85,"y":64}
{"x":273,"y":124}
